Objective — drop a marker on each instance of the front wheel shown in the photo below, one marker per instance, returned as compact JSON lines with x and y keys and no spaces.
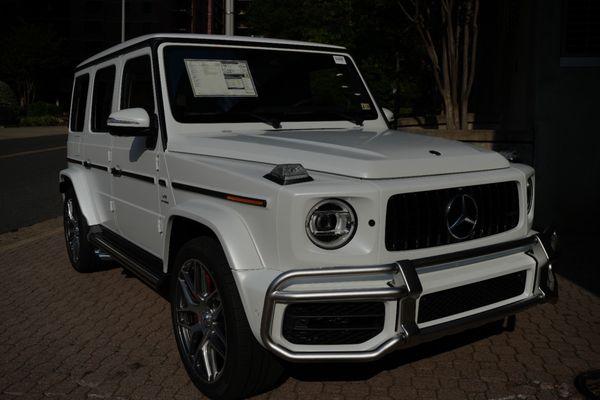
{"x":215,"y":342}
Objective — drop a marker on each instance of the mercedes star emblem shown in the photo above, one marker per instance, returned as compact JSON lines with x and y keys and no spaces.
{"x":461,"y":216}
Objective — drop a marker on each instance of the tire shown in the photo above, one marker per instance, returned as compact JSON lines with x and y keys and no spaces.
{"x":80,"y":250}
{"x":211,"y":328}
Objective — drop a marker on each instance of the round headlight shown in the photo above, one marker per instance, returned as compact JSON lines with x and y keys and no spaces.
{"x":331,"y":224}
{"x":530,"y":188}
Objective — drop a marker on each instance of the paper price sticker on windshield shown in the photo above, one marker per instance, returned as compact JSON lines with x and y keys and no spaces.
{"x":220,"y":78}
{"x":339,"y":60}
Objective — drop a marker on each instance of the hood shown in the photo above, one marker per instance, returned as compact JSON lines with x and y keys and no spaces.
{"x":355,"y":153}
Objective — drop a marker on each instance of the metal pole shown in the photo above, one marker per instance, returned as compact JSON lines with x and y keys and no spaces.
{"x":122,"y":21}
{"x":229,"y":17}
{"x":209,"y":17}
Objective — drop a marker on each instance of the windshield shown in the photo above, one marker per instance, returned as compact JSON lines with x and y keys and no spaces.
{"x":216,"y":85}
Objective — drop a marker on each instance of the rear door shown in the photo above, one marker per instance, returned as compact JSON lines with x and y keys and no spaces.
{"x":135,"y":159}
{"x":97,"y":141}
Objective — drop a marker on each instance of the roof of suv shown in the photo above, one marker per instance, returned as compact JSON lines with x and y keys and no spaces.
{"x":225,"y":39}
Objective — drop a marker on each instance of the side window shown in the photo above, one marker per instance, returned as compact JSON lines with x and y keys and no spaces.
{"x":104,"y":83}
{"x":78,"y":103}
{"x":137,"y":86}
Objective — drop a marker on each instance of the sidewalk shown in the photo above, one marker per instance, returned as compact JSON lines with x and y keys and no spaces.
{"x":32,"y":131}
{"x":103,"y":335}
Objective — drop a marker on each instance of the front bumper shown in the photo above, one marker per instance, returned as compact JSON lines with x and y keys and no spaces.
{"x":404,"y":288}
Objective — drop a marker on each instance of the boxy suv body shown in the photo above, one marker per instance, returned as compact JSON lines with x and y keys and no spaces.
{"x":257,"y":183}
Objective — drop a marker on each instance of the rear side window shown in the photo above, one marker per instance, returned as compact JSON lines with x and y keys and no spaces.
{"x":104,"y":83}
{"x":78,"y":103}
{"x":137,"y":84}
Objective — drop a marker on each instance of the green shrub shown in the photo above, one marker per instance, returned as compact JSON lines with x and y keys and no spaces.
{"x":9,"y":107}
{"x":41,"y":109}
{"x":41,"y":120}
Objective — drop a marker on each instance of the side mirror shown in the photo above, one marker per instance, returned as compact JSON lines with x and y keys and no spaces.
{"x":389,"y":115}
{"x":129,"y":122}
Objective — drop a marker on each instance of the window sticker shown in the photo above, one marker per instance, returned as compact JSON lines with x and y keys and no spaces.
{"x":220,"y":78}
{"x":339,"y":60}
{"x":365,"y":106}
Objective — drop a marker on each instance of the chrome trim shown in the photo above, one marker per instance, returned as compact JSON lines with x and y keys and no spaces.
{"x":465,"y":261}
{"x":405,"y":288}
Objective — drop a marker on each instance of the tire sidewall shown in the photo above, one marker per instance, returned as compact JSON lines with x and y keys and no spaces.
{"x":210,"y":254}
{"x":86,"y":260}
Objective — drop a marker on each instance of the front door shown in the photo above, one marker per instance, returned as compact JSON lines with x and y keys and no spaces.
{"x":134,"y":166}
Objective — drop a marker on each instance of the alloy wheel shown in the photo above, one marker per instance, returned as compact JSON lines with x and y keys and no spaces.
{"x":72,"y":232}
{"x":200,"y":320}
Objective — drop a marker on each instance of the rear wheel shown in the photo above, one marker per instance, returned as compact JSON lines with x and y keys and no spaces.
{"x":216,"y":344}
{"x":80,"y":250}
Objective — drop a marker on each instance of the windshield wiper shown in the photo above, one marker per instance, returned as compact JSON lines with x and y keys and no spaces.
{"x":355,"y":120}
{"x":274,"y":122}
{"x":348,"y":117}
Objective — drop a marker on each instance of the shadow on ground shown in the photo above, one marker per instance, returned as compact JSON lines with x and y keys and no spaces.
{"x":363,"y":371}
{"x":578,"y":262}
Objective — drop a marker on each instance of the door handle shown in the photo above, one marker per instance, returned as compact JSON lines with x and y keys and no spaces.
{"x":115,"y":171}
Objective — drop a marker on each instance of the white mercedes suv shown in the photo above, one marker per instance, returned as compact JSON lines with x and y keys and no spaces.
{"x":257,"y":183}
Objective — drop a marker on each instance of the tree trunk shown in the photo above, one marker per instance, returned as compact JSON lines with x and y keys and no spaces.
{"x":455,"y":69}
{"x":194,"y":17}
{"x":209,"y":17}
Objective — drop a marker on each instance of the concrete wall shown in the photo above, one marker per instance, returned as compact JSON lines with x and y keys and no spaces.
{"x":566,"y":133}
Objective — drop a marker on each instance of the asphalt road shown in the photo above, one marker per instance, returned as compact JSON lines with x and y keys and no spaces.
{"x":29,"y":169}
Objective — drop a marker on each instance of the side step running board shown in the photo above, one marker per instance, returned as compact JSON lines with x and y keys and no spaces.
{"x":153,"y":279}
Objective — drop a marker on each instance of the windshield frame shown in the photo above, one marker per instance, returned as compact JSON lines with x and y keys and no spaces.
{"x":204,"y":127}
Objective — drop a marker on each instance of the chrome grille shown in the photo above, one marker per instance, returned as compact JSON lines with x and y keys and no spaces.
{"x":418,"y":220}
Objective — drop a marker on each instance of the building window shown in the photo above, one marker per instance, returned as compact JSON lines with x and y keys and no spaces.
{"x":580,"y":34}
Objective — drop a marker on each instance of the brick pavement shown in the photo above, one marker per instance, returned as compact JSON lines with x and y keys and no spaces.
{"x":103,"y":335}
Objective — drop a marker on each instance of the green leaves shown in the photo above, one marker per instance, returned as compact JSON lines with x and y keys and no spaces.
{"x":374,"y":31}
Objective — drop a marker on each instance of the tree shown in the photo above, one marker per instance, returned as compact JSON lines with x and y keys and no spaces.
{"x":382,"y":46}
{"x":448,"y":30}
{"x":27,"y":54}
{"x":9,"y":108}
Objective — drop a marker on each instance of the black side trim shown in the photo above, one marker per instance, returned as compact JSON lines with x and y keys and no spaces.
{"x":133,"y":175}
{"x":74,"y":161}
{"x":88,"y":165}
{"x":146,"y":266}
{"x":162,"y":182}
{"x":220,"y":195}
{"x":119,"y":172}
{"x":100,"y":167}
